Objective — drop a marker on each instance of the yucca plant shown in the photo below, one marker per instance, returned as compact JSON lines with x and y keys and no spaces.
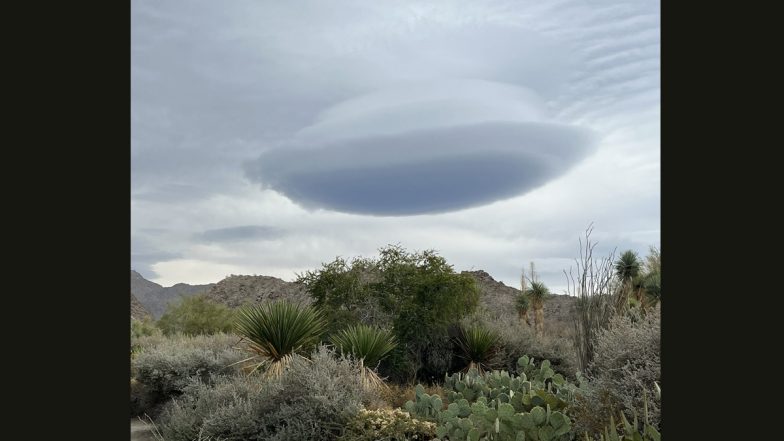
{"x":278,"y":331}
{"x":651,"y":287}
{"x":477,"y":345}
{"x":523,"y":304}
{"x":537,"y":294}
{"x":369,"y":345}
{"x":627,"y":269}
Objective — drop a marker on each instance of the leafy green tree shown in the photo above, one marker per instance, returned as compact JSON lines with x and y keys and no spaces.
{"x":341,"y":290}
{"x":418,"y":293}
{"x":196,"y":315}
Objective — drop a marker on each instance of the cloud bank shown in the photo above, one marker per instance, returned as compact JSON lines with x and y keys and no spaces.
{"x":337,"y":124}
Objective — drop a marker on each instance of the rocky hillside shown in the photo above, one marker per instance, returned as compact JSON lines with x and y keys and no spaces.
{"x":138,"y":311}
{"x":499,"y":299}
{"x":234,"y":290}
{"x":155,"y":297}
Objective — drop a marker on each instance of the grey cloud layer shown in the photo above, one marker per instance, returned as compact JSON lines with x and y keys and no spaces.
{"x":424,"y":171}
{"x":225,"y":94}
{"x":242,"y":233}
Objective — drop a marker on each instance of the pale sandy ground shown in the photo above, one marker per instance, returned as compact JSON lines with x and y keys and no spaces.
{"x":141,"y":431}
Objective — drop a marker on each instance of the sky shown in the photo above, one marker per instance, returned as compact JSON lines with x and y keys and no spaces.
{"x":268,"y":137}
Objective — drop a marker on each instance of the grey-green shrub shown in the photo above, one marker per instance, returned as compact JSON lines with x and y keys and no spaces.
{"x":626,"y":367}
{"x":164,"y":365}
{"x":315,"y":398}
{"x":516,"y":339}
{"x":312,"y":400}
{"x":224,"y":407}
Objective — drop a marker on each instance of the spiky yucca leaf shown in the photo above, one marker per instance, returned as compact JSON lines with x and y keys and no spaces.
{"x":364,"y":342}
{"x":369,"y":345}
{"x":627,"y":267}
{"x":522,"y":303}
{"x":277,"y":331}
{"x":478,"y":345}
{"x":537,"y":294}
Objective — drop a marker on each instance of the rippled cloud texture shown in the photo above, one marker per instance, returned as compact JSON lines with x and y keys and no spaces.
{"x":268,"y":137}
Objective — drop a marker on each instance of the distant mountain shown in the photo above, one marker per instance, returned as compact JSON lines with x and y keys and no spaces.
{"x":235,"y":291}
{"x":155,"y":297}
{"x":138,"y":311}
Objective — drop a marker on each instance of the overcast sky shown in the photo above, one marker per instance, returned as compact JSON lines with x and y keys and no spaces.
{"x":268,"y":137}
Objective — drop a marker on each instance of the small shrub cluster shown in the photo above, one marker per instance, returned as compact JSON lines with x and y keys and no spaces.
{"x":395,"y":395}
{"x":139,"y":330}
{"x":163,"y":366}
{"x":624,"y":374}
{"x":311,"y":400}
{"x":196,"y":315}
{"x":388,"y":425}
{"x":143,"y":328}
{"x":517,"y":339}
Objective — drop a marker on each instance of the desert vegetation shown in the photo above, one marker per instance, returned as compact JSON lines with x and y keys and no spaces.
{"x":398,"y":347}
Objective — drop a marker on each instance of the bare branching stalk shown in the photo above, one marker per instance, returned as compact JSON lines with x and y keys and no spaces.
{"x":593,"y":283}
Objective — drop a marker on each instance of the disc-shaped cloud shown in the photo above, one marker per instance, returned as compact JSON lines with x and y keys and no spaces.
{"x":423,"y":170}
{"x":424,"y":104}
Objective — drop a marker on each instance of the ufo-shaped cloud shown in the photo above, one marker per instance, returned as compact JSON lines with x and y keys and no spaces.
{"x":428,"y":147}
{"x":423,"y":171}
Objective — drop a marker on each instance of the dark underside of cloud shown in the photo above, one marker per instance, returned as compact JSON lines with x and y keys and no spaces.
{"x":423,"y":171}
{"x":241,"y":233}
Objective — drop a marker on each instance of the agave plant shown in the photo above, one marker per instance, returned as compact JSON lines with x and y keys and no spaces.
{"x":278,"y":331}
{"x":477,"y":345}
{"x":369,"y":345}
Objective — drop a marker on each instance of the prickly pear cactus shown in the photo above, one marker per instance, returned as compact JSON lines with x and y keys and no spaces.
{"x":426,"y":406}
{"x":497,"y":406}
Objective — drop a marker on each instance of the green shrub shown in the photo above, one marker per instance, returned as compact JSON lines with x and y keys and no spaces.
{"x":387,"y":425}
{"x":418,"y":293}
{"x":311,"y":400}
{"x":196,"y":315}
{"x":164,"y":366}
{"x":143,"y":328}
{"x":139,"y":330}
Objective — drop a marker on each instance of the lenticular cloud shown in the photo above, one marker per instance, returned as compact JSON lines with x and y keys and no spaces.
{"x":428,"y":147}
